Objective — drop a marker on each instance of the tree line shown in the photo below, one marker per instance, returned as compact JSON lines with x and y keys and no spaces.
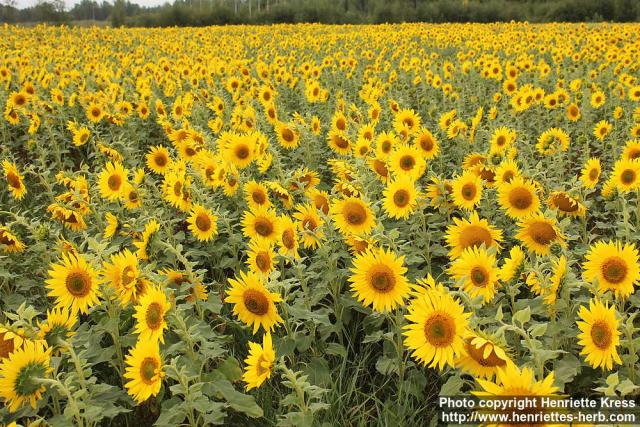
{"x":221,"y":12}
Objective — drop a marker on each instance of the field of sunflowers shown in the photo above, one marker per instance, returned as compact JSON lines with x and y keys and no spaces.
{"x":301,"y":225}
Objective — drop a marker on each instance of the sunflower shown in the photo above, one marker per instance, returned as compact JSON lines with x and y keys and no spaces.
{"x":159,"y":160}
{"x":560,"y":269}
{"x":310,"y":224}
{"x":511,"y":381}
{"x":553,"y":141}
{"x":176,"y":188}
{"x":112,"y":180}
{"x":124,"y":275}
{"x":150,"y":228}
{"x":427,"y":143}
{"x":601,"y":129}
{"x":339,"y":142}
{"x":407,"y":120}
{"x":239,"y":150}
{"x":565,"y":204}
{"x":252,"y":303}
{"x":260,"y":224}
{"x":476,"y":270}
{"x":538,"y":233}
{"x":385,"y":143}
{"x":599,"y":335}
{"x":14,"y":180}
{"x":463,"y":234}
{"x":288,"y":242}
{"x":202,"y":223}
{"x":437,"y":327}
{"x":58,"y":326}
{"x":81,"y":136}
{"x":591,"y":173}
{"x":21,"y":372}
{"x":352,"y":216}
{"x":626,"y":175}
{"x":9,"y":242}
{"x":112,"y":225}
{"x":512,"y":264}
{"x":612,"y":266}
{"x":320,"y":200}
{"x":378,"y":280}
{"x":466,"y":190}
{"x":144,"y":370}
{"x":631,"y":150}
{"x":407,"y":160}
{"x":10,"y":341}
{"x":482,"y":356}
{"x":259,"y":363}
{"x":150,"y":314}
{"x":400,"y":197}
{"x":256,"y":195}
{"x":288,"y":135}
{"x":573,"y":112}
{"x":501,"y":140}
{"x":518,"y":198}
{"x":73,"y":283}
{"x":94,"y":112}
{"x":261,"y":258}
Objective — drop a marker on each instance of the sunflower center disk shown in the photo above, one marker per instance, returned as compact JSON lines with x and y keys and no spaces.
{"x":440,"y":329}
{"x":78,"y":283}
{"x":542,"y":233}
{"x":114,"y":182}
{"x":355,"y":214}
{"x":288,"y":239}
{"x":203,"y":222}
{"x":13,"y":180}
{"x":628,"y":177}
{"x":479,"y":277}
{"x":382,"y":279}
{"x":256,"y":302}
{"x":154,"y":316}
{"x":474,"y":236}
{"x":258,"y":197}
{"x":263,"y":227}
{"x":520,"y":198}
{"x":468,"y":191}
{"x":401,"y":198}
{"x":407,"y":163}
{"x":263,"y":261}
{"x":6,"y":346}
{"x":614,"y":270}
{"x":148,"y":369}
{"x":601,"y":335}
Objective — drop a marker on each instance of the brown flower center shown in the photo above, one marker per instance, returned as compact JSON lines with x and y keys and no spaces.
{"x":520,"y":198}
{"x":256,"y":302}
{"x":148,"y":369}
{"x":13,"y":180}
{"x":114,"y":182}
{"x":401,"y":198}
{"x":382,"y":279}
{"x":614,"y":270}
{"x":263,"y":227}
{"x":477,"y":354}
{"x":440,"y":329}
{"x":542,"y":233}
{"x":407,"y":162}
{"x":601,"y":334}
{"x":263,"y":261}
{"x":354,"y":213}
{"x":154,"y":316}
{"x":78,"y":283}
{"x":203,"y":222}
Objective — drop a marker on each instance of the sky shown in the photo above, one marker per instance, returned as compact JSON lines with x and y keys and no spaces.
{"x":69,"y":3}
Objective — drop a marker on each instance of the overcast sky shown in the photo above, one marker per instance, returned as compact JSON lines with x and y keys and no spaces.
{"x":26,"y":3}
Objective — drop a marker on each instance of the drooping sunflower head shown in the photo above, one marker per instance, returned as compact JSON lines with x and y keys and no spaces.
{"x":470,"y":233}
{"x":21,"y":372}
{"x":14,"y":180}
{"x":10,"y":341}
{"x":565,"y":204}
{"x":436,"y":329}
{"x":378,"y":279}
{"x":9,"y":242}
{"x":58,"y":326}
{"x":482,"y":356}
{"x":511,"y":266}
{"x":252,"y":303}
{"x":289,"y":239}
{"x":612,"y":266}
{"x":599,"y":335}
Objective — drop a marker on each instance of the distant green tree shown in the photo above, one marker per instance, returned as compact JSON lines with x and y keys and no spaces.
{"x":118,"y":13}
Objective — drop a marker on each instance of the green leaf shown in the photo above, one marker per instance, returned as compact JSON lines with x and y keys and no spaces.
{"x":231,"y":369}
{"x":238,"y":401}
{"x":522,"y":316}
